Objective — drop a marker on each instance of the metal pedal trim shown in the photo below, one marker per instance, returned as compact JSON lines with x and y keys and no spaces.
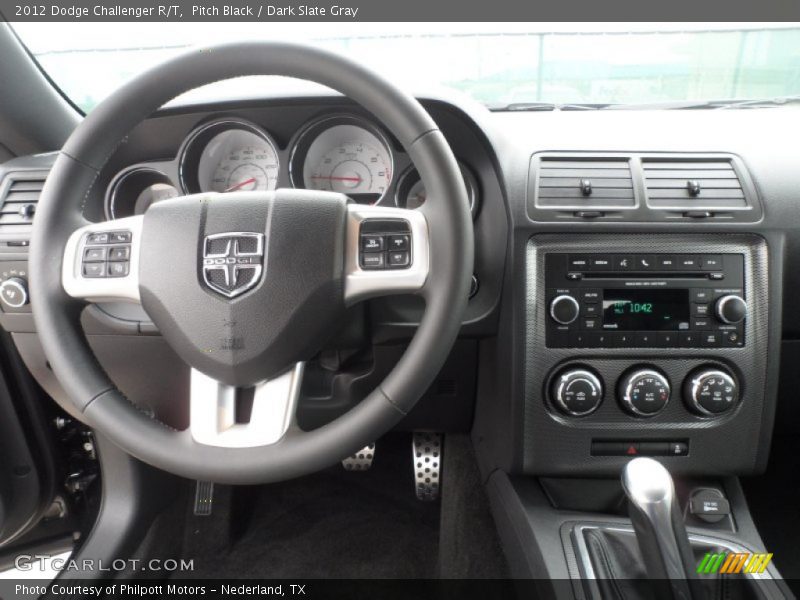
{"x":361,"y":460}
{"x":203,"y":498}
{"x":427,"y":449}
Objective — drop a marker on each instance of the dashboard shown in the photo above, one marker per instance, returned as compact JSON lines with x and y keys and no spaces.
{"x":338,"y":151}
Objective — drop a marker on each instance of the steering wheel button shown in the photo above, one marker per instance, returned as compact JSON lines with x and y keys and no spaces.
{"x":120,"y":237}
{"x":97,"y":238}
{"x":118,"y":269}
{"x":373,"y":260}
{"x":118,"y":252}
{"x":398,"y":242}
{"x":97,"y":254}
{"x":94,"y":270}
{"x":372,"y":243}
{"x":399,"y":259}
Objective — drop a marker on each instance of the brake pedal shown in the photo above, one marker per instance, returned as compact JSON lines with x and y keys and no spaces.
{"x":361,"y":460}
{"x":203,"y":498}
{"x":427,"y":448}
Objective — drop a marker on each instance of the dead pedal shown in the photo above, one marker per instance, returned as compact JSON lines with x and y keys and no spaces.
{"x":427,"y":448}
{"x":361,"y":460}
{"x":203,"y":498}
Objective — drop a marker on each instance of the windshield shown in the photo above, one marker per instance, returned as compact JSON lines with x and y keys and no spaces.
{"x":500,"y":64}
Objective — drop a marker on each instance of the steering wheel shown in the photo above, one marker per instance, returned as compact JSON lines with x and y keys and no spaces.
{"x":247,"y":286}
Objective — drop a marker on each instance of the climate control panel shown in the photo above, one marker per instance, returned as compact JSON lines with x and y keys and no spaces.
{"x":644,"y":391}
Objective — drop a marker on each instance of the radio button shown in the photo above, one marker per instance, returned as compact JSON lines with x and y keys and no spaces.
{"x":579,"y":339}
{"x":578,"y":262}
{"x":701,"y":295}
{"x":625,"y":340}
{"x":591,"y":296}
{"x":699,"y":310}
{"x":591,"y":310}
{"x":716,"y":276}
{"x":601,"y":263}
{"x":646,"y":262}
{"x":689,"y":339}
{"x":711,"y":339}
{"x":666,"y":262}
{"x":701,"y":323}
{"x":712,"y":263}
{"x":564,"y":309}
{"x":668,"y":339}
{"x":589,"y":324}
{"x":645,"y":340}
{"x":688,"y":262}
{"x":624,"y":262}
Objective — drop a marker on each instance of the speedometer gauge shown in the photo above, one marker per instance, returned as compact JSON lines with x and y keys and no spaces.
{"x":228,"y":156}
{"x":346,"y":155}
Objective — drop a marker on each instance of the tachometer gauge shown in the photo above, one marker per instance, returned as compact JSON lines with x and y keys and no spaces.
{"x":135,"y":189}
{"x":411,"y":191}
{"x":227,"y":156}
{"x":346,"y":155}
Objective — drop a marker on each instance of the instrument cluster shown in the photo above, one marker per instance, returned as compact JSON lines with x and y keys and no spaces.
{"x":343,"y":153}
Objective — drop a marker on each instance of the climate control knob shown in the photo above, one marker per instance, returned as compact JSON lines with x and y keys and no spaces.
{"x":644,"y":392}
{"x":14,"y":292}
{"x":577,"y":392}
{"x":711,"y":391}
{"x":564,"y":309}
{"x":731,"y":309}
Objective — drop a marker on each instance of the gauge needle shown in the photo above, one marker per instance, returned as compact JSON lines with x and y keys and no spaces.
{"x":336,"y":178}
{"x":233,"y":188}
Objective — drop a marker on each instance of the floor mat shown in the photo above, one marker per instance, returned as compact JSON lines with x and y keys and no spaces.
{"x":334,"y":524}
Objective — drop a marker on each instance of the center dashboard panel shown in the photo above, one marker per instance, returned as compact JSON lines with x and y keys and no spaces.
{"x":644,"y":345}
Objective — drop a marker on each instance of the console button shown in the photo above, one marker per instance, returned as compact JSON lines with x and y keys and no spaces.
{"x":667,"y":339}
{"x":645,"y":339}
{"x":97,"y":238}
{"x":689,"y":339}
{"x":653,"y":448}
{"x":644,"y":392}
{"x":624,"y":262}
{"x":577,"y":392}
{"x":677,"y":449}
{"x":700,"y":323}
{"x":589,"y":324}
{"x":591,"y":310}
{"x":711,"y":338}
{"x":701,"y":295}
{"x":579,"y":339}
{"x":120,"y":237}
{"x":699,"y":310}
{"x":119,"y":253}
{"x":626,"y":340}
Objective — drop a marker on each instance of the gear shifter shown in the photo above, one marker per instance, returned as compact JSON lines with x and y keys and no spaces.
{"x":657,"y":520}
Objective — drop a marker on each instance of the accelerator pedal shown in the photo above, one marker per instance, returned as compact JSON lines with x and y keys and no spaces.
{"x":427,"y":448}
{"x":361,"y":460}
{"x":203,"y":498}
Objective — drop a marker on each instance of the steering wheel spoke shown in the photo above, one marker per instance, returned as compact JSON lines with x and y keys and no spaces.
{"x":101,"y":261}
{"x":388,"y":252}
{"x":219,"y":414}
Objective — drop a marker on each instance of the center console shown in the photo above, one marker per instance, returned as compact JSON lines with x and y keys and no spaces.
{"x":645,"y":345}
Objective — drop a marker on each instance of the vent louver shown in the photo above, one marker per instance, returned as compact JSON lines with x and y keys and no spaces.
{"x":19,"y":195}
{"x":577,"y":183}
{"x":693,"y":184}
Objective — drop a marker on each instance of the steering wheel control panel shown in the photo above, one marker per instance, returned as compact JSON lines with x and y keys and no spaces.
{"x":106,"y":254}
{"x":644,"y":391}
{"x":385,"y":244}
{"x":645,"y":300}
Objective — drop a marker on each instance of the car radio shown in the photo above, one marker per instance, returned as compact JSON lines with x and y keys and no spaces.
{"x":645,"y":300}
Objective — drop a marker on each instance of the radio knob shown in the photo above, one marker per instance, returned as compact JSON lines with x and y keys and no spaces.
{"x":14,"y":292}
{"x":577,"y":392}
{"x":644,"y":392}
{"x":564,"y":309}
{"x":710,"y":391}
{"x":731,"y":309}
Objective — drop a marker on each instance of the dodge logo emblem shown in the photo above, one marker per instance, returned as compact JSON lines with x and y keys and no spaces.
{"x":232,"y":262}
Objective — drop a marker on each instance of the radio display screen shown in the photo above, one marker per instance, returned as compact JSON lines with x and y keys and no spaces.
{"x":646,"y":310}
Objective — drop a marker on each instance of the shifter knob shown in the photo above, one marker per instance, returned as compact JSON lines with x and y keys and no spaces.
{"x":658,"y":523}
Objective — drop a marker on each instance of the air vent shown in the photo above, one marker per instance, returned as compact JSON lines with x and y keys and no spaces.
{"x":19,"y":194}
{"x":690,"y":184}
{"x":580,"y":183}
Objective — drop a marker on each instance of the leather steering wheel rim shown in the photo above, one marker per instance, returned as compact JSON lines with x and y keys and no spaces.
{"x":89,"y":392}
